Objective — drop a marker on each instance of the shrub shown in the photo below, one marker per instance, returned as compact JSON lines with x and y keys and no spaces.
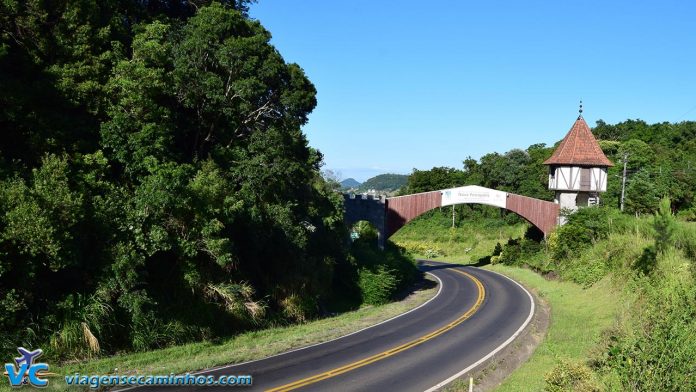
{"x":511,"y":252}
{"x":398,"y":259}
{"x":517,"y":251}
{"x":431,"y":253}
{"x":296,"y":307}
{"x":150,"y":332}
{"x":377,"y":287}
{"x":664,"y":226}
{"x":688,"y":215}
{"x":366,"y":231}
{"x":685,"y":240}
{"x":584,"y":228}
{"x":428,"y":249}
{"x":382,"y":273}
{"x":497,"y":250}
{"x":585,"y":270}
{"x":570,"y":376}
{"x":647,"y":260}
{"x":658,"y":352}
{"x":568,"y":239}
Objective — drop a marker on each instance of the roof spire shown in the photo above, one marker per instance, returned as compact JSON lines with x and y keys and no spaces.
{"x":579,"y":148}
{"x":580,"y":109}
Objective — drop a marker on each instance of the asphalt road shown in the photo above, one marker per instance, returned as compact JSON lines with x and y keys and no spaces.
{"x":475,"y":313}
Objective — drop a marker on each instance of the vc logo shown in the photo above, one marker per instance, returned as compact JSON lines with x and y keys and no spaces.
{"x":25,"y":371}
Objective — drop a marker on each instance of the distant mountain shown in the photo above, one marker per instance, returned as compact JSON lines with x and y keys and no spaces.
{"x":384,"y":183}
{"x":349,"y":183}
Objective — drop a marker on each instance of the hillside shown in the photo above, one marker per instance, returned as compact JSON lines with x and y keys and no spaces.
{"x":349,"y":183}
{"x":384,"y":183}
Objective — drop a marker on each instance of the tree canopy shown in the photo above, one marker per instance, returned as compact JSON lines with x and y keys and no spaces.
{"x":155,"y":184}
{"x":661,"y":162}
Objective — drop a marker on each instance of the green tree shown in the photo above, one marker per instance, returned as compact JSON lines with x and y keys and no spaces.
{"x":535,"y":177}
{"x":642,"y":195}
{"x":506,"y":172}
{"x":434,"y":179}
{"x":639,"y":154}
{"x":664,"y":226}
{"x":232,"y":83}
{"x":155,"y":176}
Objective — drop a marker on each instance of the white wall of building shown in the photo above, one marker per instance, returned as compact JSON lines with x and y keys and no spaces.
{"x":567,"y":200}
{"x":599,"y":179}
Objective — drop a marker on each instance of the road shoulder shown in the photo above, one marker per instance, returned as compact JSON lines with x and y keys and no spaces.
{"x":253,"y":345}
{"x":496,"y":369}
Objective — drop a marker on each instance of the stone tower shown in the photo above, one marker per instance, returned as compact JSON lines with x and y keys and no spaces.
{"x":578,"y":168}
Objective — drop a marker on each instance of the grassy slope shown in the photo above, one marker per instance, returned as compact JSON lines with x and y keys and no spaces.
{"x":578,"y":318}
{"x":606,"y":308}
{"x":466,"y":243}
{"x":244,"y":347}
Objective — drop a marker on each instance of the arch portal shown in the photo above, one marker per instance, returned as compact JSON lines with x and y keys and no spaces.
{"x":391,"y":214}
{"x":401,"y":210}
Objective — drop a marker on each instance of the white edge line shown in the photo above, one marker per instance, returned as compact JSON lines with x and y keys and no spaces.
{"x":439,"y":290}
{"x":497,"y":349}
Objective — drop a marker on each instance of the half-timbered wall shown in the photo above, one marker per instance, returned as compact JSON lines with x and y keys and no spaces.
{"x":577,"y":178}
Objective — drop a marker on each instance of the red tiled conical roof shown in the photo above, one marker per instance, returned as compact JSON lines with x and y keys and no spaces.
{"x":579,"y":147}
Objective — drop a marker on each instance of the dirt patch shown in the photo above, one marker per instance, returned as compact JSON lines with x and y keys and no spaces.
{"x":492,"y":373}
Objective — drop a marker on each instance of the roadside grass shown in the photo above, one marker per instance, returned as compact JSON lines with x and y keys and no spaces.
{"x":244,"y":347}
{"x":579,"y":316}
{"x":606,"y":309}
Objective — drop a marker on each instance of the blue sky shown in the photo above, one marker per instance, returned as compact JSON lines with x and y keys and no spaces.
{"x":406,"y":84}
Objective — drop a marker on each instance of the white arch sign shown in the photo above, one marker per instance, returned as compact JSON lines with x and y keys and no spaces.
{"x":474,"y":194}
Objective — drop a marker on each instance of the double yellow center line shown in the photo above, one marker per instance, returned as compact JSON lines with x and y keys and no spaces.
{"x":374,"y":358}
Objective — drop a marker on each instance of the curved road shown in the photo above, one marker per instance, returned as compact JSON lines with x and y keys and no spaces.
{"x":475,"y":313}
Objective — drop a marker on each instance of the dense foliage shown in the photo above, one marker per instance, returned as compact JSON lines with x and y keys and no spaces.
{"x":652,"y":259}
{"x":381,"y":274}
{"x":155,"y":185}
{"x":660,"y":160}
